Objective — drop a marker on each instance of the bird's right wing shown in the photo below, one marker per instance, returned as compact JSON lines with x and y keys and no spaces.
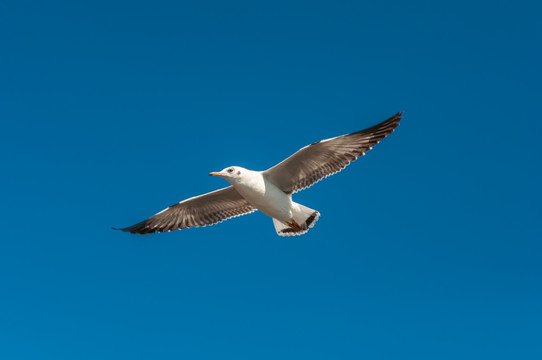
{"x":327,"y":157}
{"x":206,"y":209}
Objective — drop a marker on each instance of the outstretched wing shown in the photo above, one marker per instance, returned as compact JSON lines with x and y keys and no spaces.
{"x":327,"y":157}
{"x":206,"y":209}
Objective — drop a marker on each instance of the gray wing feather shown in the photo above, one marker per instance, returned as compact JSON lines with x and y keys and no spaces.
{"x":327,"y":157}
{"x":206,"y":209}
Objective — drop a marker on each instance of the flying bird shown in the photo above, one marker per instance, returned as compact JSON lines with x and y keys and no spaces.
{"x":270,"y":191}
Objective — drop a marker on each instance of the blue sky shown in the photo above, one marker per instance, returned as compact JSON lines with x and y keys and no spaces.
{"x":427,"y":248}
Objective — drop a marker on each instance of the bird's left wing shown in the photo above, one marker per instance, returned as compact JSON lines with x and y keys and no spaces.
{"x":327,"y":157}
{"x":206,"y":209}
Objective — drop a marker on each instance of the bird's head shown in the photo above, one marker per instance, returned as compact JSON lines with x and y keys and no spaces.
{"x":231,"y":173}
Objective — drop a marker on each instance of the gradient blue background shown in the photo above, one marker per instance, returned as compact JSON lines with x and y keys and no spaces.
{"x":429,"y":247}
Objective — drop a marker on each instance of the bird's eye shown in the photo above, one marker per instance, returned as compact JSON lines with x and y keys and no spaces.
{"x":230,"y":170}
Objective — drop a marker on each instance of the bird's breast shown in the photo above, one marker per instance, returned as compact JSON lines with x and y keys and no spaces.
{"x":267,"y":198}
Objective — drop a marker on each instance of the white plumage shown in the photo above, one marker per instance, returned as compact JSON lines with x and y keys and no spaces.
{"x":270,"y":191}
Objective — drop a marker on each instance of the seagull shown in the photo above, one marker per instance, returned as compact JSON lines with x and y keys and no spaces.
{"x":270,"y":191}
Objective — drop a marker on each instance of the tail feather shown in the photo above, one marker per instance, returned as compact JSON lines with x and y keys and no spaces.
{"x":302,"y":220}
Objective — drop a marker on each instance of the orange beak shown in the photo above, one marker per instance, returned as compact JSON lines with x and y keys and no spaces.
{"x":214,"y":173}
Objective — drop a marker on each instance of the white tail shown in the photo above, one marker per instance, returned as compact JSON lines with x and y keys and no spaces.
{"x":302,"y":220}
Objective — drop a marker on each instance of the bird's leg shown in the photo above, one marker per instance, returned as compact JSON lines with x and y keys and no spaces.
{"x":294,"y":225}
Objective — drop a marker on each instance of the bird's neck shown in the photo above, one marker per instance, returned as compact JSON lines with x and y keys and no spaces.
{"x":251,"y":181}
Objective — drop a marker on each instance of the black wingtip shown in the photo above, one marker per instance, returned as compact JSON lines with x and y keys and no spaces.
{"x":139,"y":228}
{"x":128,"y":229}
{"x":398,"y":115}
{"x":395,"y":119}
{"x":119,"y":229}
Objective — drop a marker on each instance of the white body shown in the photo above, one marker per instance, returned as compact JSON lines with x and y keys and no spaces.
{"x":263,"y":195}
{"x":289,"y":218}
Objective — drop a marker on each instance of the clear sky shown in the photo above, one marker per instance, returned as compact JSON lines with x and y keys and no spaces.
{"x":428,"y":247}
